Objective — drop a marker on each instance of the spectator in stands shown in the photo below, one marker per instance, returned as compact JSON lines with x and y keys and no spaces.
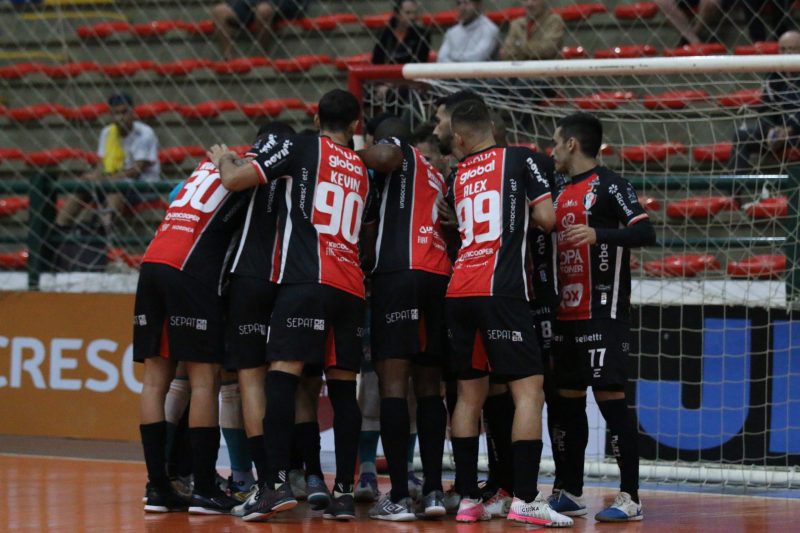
{"x":128,"y":150}
{"x":402,"y":40}
{"x":235,"y":14}
{"x":779,"y":122}
{"x":537,"y":35}
{"x":474,"y":38}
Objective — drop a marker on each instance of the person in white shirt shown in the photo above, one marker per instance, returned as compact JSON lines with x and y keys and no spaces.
{"x":474,"y":38}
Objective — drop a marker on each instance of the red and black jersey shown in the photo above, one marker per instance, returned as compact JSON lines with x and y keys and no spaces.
{"x":544,"y":261}
{"x":258,"y":252}
{"x":595,"y":279}
{"x":492,"y":192}
{"x":327,"y":190}
{"x":409,"y":232}
{"x":197,"y":229}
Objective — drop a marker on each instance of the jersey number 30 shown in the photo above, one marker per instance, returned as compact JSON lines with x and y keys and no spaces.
{"x":483,"y":208}
{"x":195,"y":192}
{"x":345,"y":211}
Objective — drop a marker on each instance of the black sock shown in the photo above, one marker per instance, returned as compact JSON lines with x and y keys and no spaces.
{"x":346,"y":427}
{"x":465,"y":453}
{"x":527,"y":456}
{"x":154,"y":440}
{"x":307,"y":442}
{"x":498,"y":414}
{"x":259,"y":455}
{"x":279,"y":425}
{"x":179,"y":458}
{"x":394,"y":436}
{"x":296,"y":459}
{"x":205,"y":446}
{"x":574,"y":437}
{"x":554,"y":430}
{"x":431,"y":429}
{"x":624,"y":442}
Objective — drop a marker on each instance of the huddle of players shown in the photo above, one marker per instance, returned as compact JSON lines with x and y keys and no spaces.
{"x":303,"y":199}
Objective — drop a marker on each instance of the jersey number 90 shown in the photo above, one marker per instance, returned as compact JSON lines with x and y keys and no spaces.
{"x":345,"y":211}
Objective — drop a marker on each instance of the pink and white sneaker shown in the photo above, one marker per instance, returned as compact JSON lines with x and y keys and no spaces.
{"x":471,"y":511}
{"x":499,"y":504}
{"x":538,"y":512}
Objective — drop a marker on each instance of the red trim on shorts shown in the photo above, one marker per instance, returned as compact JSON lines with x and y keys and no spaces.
{"x":330,"y":349}
{"x":163,"y":344}
{"x":480,"y":360}
{"x":423,"y":334}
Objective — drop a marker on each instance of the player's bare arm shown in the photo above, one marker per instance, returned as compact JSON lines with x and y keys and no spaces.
{"x":382,"y":158}
{"x":234,"y":174}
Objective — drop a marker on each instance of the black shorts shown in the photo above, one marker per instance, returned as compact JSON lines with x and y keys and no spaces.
{"x":316,"y":324}
{"x":176,"y":317}
{"x":591,"y":353}
{"x":408,"y":317}
{"x":250,"y":302}
{"x":492,"y":335}
{"x":287,"y":9}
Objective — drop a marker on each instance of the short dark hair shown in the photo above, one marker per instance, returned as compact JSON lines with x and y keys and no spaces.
{"x":424,"y":134}
{"x":337,"y":110}
{"x":120,"y":98}
{"x":450,"y":101}
{"x":371,"y":125}
{"x":587,"y":130}
{"x":278,"y":128}
{"x":393,"y":127}
{"x":471,"y":114}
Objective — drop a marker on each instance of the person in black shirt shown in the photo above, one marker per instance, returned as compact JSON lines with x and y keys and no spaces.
{"x":402,"y":40}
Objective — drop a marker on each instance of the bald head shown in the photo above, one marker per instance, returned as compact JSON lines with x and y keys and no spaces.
{"x":789,"y":43}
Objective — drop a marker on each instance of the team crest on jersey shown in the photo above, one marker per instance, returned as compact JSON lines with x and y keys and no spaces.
{"x":589,"y":200}
{"x":612,"y":189}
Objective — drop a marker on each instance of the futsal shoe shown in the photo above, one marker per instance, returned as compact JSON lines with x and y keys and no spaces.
{"x":414,"y":486}
{"x":183,"y":486}
{"x":297,"y":480}
{"x":538,"y":513}
{"x":624,"y":509}
{"x":237,"y":491}
{"x":451,"y":501}
{"x":212,"y":502}
{"x":163,"y":500}
{"x":269,"y":502}
{"x":471,"y":511}
{"x":319,"y":498}
{"x":567,"y":504}
{"x":239,"y":510}
{"x":388,"y":510}
{"x":342,"y":507}
{"x":499,"y":504}
{"x":367,"y":489}
{"x":431,"y":505}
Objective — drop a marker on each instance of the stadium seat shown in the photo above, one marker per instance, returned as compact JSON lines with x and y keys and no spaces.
{"x":376,"y":21}
{"x":14,"y":260}
{"x":674,"y":99}
{"x":70,"y":70}
{"x":740,"y":98}
{"x":604,"y":100}
{"x":302,"y":63}
{"x":627,"y":51}
{"x":638,"y":10}
{"x":33,"y":112}
{"x":606,"y":149}
{"x":700,"y":207}
{"x":181,"y":67}
{"x":683,"y":265}
{"x":703,"y":49}
{"x":573,"y":52}
{"x":86,"y":112}
{"x":713,"y":153}
{"x":174,"y":155}
{"x":241,"y":65}
{"x":11,"y":154}
{"x":208,"y":109}
{"x":204,"y":27}
{"x":501,"y":16}
{"x":271,"y":107}
{"x":153,"y":109}
{"x":652,"y":151}
{"x":156,"y":27}
{"x":578,"y":12}
{"x":442,"y":18}
{"x":757,"y":48}
{"x":758,"y":266}
{"x":342,"y":63}
{"x":20,"y":70}
{"x":311,"y":108}
{"x":327,"y":22}
{"x":124,"y":69}
{"x":11,"y":205}
{"x":103,"y":30}
{"x":54,"y":156}
{"x":649,"y":203}
{"x":768,"y":208}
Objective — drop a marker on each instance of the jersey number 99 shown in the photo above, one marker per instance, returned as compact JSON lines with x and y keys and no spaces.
{"x":483,"y":208}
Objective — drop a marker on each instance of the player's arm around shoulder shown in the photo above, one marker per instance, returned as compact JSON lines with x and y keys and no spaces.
{"x":234,"y":172}
{"x":384,"y":156}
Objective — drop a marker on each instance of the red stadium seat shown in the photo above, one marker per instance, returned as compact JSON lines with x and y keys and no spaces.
{"x":20,"y":70}
{"x":757,"y":48}
{"x":103,"y":30}
{"x":627,"y":51}
{"x":758,"y":266}
{"x":700,"y":207}
{"x":579,"y":11}
{"x":606,"y":149}
{"x":126,"y":68}
{"x":327,"y":22}
{"x":768,"y":208}
{"x":14,"y":260}
{"x":33,"y":112}
{"x":442,"y":18}
{"x":674,"y":99}
{"x":174,"y":155}
{"x":266,"y":108}
{"x":242,"y":65}
{"x":209,"y":109}
{"x":156,"y":27}
{"x":311,"y":108}
{"x":153,"y":109}
{"x":685,"y":265}
{"x":12,"y":205}
{"x":604,"y":100}
{"x":302,"y":63}
{"x":204,"y":27}
{"x":639,"y":10}
{"x":118,"y":254}
{"x":86,"y":112}
{"x":502,"y":16}
{"x":55,"y":156}
{"x":649,"y":203}
{"x":652,"y":151}
{"x":714,"y":153}
{"x":740,"y":98}
{"x":703,"y":49}
{"x":11,"y":154}
{"x":573,"y":52}
{"x":342,"y":63}
{"x":182,"y":67}
{"x":377,"y":21}
{"x":70,"y":70}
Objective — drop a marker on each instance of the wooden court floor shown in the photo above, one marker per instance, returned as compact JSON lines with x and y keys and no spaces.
{"x":57,"y":494}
